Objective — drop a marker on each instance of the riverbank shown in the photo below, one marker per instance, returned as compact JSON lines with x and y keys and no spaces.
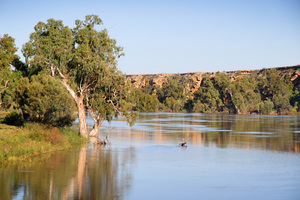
{"x":19,"y":143}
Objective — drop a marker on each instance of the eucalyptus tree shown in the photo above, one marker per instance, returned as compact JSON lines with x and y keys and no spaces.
{"x":245,"y":95}
{"x":174,"y":87}
{"x":208,"y":96}
{"x":222,"y":84}
{"x":274,"y":87}
{"x":8,"y":51}
{"x":86,"y":61}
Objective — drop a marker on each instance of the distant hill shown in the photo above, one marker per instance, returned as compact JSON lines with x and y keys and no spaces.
{"x":262,"y":91}
{"x":194,"y":79}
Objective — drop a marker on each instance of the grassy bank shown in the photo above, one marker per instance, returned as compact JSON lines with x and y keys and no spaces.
{"x":18,"y":143}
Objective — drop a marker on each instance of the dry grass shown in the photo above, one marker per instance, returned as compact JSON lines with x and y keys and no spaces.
{"x":54,"y":136}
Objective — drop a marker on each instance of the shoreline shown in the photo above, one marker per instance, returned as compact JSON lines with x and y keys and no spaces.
{"x":20,"y":143}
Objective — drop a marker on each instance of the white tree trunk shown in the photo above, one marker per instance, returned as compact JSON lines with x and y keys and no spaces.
{"x":82,"y":117}
{"x":98,"y":121}
{"x":80,"y":108}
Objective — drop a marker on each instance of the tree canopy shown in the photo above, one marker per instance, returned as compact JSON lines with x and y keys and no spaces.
{"x":85,"y":59}
{"x":7,"y":51}
{"x":8,"y":55}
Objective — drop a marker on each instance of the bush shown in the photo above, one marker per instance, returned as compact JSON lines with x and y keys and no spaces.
{"x":266,"y":107}
{"x":43,"y":99}
{"x":14,"y":118}
{"x":148,"y":103}
{"x":174,"y":105}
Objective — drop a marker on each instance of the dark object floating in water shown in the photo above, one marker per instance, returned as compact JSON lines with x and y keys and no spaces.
{"x":183,"y":143}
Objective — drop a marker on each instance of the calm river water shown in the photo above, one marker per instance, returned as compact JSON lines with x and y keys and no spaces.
{"x":227,"y":157}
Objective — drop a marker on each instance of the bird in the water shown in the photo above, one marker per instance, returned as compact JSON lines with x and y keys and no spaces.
{"x":183,"y":143}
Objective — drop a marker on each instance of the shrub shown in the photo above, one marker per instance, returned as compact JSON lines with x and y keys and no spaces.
{"x":148,"y":103}
{"x":14,"y":118}
{"x":266,"y":107}
{"x":43,"y":99}
{"x":54,"y":136}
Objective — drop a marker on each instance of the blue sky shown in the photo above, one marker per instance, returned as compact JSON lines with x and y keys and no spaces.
{"x":162,"y":36}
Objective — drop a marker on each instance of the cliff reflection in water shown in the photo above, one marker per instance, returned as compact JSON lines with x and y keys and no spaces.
{"x":91,"y":172}
{"x":275,"y":133}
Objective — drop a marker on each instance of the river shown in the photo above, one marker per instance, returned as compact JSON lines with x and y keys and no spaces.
{"x":227,"y":157}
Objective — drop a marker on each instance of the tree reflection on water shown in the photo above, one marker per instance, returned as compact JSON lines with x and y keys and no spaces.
{"x":90,"y":172}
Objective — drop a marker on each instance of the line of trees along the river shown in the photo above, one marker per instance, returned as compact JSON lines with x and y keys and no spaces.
{"x":267,"y":91}
{"x":65,"y":69}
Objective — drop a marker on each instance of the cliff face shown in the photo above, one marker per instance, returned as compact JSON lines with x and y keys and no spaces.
{"x":194,"y":79}
{"x":141,"y":81}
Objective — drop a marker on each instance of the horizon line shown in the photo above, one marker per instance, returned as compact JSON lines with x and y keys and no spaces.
{"x":231,"y":71}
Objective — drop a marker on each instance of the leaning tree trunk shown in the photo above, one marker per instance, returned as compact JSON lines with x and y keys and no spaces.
{"x":97,"y":125}
{"x":82,"y":117}
{"x":98,"y":121}
{"x":80,"y":108}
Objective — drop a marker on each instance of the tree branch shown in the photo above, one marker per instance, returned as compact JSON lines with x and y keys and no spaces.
{"x":4,"y":87}
{"x":87,"y":86}
{"x":114,"y":106}
{"x":68,"y":87}
{"x":62,"y":74}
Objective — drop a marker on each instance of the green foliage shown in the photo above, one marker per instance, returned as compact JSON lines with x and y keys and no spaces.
{"x":173,"y":94}
{"x":7,"y":97}
{"x":189,"y":105}
{"x":174,"y":105}
{"x":207,"y":98}
{"x":273,"y":86}
{"x":134,"y":98}
{"x":295,"y":101}
{"x":148,"y":103}
{"x":8,"y":58}
{"x":50,"y":47}
{"x":245,"y":95}
{"x":14,"y":118}
{"x":107,"y":95}
{"x":129,"y":116}
{"x":20,"y":67}
{"x":86,"y":60}
{"x":43,"y":99}
{"x":266,"y":91}
{"x":266,"y":107}
{"x":17,"y":143}
{"x":148,"y":89}
{"x":7,"y":51}
{"x":222,"y":84}
{"x":174,"y":87}
{"x":143,"y":102}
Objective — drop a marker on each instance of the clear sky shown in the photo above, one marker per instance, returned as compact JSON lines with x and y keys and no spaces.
{"x":170,"y":36}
